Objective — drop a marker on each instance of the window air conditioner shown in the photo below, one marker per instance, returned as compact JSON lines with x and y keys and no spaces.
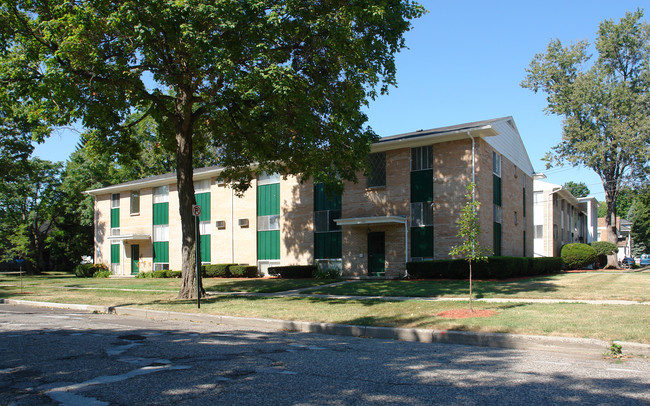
{"x":221,"y":225}
{"x":243,"y":223}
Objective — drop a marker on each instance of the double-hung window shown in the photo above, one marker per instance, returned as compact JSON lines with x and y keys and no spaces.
{"x":115,"y":214}
{"x":135,"y":202}
{"x":161,"y":228}
{"x":496,"y":194}
{"x":421,"y":202}
{"x":327,"y":234}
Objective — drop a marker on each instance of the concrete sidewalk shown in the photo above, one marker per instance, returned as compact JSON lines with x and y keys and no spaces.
{"x":573,"y":347}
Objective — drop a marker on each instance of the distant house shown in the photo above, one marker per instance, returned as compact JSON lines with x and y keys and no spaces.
{"x":624,"y":240}
{"x":559,"y":219}
{"x":404,"y":209}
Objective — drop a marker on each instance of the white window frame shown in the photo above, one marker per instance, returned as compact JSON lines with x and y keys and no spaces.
{"x":160,"y":233}
{"x":496,"y":163}
{"x":205,"y":227}
{"x":115,"y":201}
{"x":421,"y":158}
{"x":161,"y":194}
{"x":421,"y":214}
{"x":498,"y":214}
{"x":268,"y":179}
{"x":131,"y":200}
{"x":202,"y":186}
{"x":268,"y":223}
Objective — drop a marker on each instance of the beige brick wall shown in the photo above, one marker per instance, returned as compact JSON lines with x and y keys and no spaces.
{"x":296,"y":222}
{"x":103,"y":230}
{"x":234,"y":244}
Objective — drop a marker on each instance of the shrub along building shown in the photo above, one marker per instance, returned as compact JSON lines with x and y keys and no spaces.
{"x":404,"y":209}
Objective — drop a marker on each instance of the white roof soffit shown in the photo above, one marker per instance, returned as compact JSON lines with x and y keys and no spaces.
{"x":358,"y":221}
{"x":129,"y":237}
{"x":153,"y":181}
{"x":421,"y":138}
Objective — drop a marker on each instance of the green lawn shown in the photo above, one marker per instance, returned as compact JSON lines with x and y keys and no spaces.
{"x":606,"y":322}
{"x":591,"y":286}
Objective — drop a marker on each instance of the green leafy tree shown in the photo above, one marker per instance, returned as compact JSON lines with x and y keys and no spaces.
{"x":469,"y":232}
{"x":605,"y":104}
{"x":577,"y":189}
{"x":640,"y":218}
{"x":276,"y":83}
{"x":28,"y":211}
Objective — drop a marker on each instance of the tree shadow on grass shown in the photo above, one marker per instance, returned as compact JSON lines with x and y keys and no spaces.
{"x":439,"y":288}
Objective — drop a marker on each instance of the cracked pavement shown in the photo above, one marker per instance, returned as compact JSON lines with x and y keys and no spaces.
{"x":50,"y":357}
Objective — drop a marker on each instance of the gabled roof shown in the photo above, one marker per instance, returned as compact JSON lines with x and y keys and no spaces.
{"x":500,"y":133}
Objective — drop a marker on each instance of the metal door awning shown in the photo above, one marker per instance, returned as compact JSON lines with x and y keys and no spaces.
{"x":361,"y":221}
{"x":129,"y":237}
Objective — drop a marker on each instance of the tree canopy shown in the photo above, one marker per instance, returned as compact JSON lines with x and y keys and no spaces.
{"x":274,"y":85}
{"x":578,"y":189}
{"x":605,"y":103}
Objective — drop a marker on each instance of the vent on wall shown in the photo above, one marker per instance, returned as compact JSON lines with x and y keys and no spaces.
{"x":243,"y":223}
{"x":221,"y":225}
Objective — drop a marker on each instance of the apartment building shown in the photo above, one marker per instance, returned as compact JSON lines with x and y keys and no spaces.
{"x":559,"y":219}
{"x":404,"y":209}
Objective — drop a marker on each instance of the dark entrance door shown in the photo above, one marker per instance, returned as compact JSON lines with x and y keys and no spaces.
{"x":135,"y":259}
{"x":376,"y":254}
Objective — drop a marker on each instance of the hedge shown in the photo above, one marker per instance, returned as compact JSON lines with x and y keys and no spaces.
{"x":603,"y":249}
{"x":294,"y":271}
{"x":493,"y":268}
{"x":216,"y":270}
{"x":161,"y":273}
{"x":89,"y":270}
{"x":577,"y":255}
{"x":244,"y":271}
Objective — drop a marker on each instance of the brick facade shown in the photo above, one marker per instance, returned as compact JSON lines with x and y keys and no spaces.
{"x":452,"y":171}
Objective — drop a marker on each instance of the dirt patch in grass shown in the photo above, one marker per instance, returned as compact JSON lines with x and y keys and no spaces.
{"x":466,"y":313}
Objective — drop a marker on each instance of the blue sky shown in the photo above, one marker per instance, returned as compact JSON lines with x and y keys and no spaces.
{"x":464,"y":63}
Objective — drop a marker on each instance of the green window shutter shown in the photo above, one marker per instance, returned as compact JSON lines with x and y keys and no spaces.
{"x":496,"y":243}
{"x":205,"y":248}
{"x":161,"y":251}
{"x":115,"y":218}
{"x":115,"y":253}
{"x":203,"y":200}
{"x":496,"y":190}
{"x":160,"y":213}
{"x":323,"y":201}
{"x":268,"y":244}
{"x":268,"y":199}
{"x":422,"y":242}
{"x":327,"y":245}
{"x":422,"y":186}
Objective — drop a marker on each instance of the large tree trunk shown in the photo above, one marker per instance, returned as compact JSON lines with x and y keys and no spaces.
{"x":611,"y":193}
{"x":185,"y":184}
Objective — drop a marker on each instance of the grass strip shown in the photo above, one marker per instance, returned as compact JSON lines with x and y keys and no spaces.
{"x":572,"y":286}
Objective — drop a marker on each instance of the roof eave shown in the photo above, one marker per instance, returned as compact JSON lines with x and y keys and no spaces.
{"x":418,"y":139}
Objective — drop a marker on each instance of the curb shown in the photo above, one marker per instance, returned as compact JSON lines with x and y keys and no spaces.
{"x":581,"y":347}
